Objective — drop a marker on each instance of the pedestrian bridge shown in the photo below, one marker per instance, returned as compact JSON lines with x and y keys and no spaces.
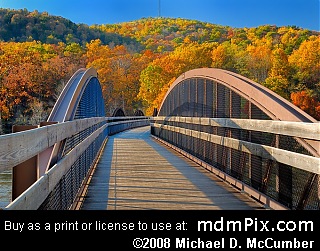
{"x":218,"y":141}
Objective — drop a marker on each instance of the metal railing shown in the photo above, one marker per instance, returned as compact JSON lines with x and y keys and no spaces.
{"x":263,"y":158}
{"x":58,"y":187}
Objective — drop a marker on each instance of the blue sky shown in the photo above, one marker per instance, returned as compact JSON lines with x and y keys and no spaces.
{"x":234,"y":13}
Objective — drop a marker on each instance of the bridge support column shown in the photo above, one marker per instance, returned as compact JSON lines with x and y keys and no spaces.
{"x":24,"y":174}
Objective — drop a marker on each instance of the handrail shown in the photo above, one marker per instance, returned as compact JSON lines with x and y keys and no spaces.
{"x":35,"y":194}
{"x":21,"y":146}
{"x":298,"y":160}
{"x":307,"y":130}
{"x":261,"y":164}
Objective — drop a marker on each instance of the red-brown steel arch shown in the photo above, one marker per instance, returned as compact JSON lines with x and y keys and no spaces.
{"x":272,"y":104}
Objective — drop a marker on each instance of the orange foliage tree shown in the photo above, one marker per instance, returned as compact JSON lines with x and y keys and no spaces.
{"x":119,"y":72}
{"x":30,"y":73}
{"x":306,"y":103}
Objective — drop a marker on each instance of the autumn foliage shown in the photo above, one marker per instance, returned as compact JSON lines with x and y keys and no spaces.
{"x":31,"y":74}
{"x":138,"y":61}
{"x":306,"y":103}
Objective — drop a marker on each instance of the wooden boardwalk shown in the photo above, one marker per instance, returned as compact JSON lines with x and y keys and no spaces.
{"x":136,"y":172}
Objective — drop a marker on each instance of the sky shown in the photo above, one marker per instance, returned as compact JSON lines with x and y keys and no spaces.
{"x":233,"y":13}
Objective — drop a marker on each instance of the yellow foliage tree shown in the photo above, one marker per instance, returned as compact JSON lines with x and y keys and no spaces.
{"x":259,"y":62}
{"x":277,"y":80}
{"x":306,"y":63}
{"x":155,"y":78}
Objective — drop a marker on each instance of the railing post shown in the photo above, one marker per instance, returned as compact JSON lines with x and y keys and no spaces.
{"x":24,"y":174}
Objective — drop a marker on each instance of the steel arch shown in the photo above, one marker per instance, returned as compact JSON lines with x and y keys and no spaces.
{"x":65,"y":109}
{"x":272,"y":104}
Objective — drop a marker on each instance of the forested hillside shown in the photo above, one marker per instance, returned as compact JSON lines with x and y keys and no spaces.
{"x":23,"y":26}
{"x":136,"y":61}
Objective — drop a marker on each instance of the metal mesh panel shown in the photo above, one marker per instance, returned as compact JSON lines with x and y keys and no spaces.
{"x":271,"y":180}
{"x":245,"y":108}
{"x":222,"y":101}
{"x":236,"y":165}
{"x":313,"y":198}
{"x":291,"y":144}
{"x":235,"y":106}
{"x":184,"y":99}
{"x":208,"y":111}
{"x":193,"y":97}
{"x":91,"y":104}
{"x":63,"y":195}
{"x":290,"y":186}
{"x":200,"y":97}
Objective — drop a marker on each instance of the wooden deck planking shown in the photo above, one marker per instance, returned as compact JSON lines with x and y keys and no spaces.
{"x":136,"y":172}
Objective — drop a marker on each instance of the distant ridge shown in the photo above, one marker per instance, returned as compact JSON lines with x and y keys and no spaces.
{"x":22,"y":25}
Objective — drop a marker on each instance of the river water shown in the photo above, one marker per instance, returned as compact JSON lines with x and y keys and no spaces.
{"x":5,"y":188}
